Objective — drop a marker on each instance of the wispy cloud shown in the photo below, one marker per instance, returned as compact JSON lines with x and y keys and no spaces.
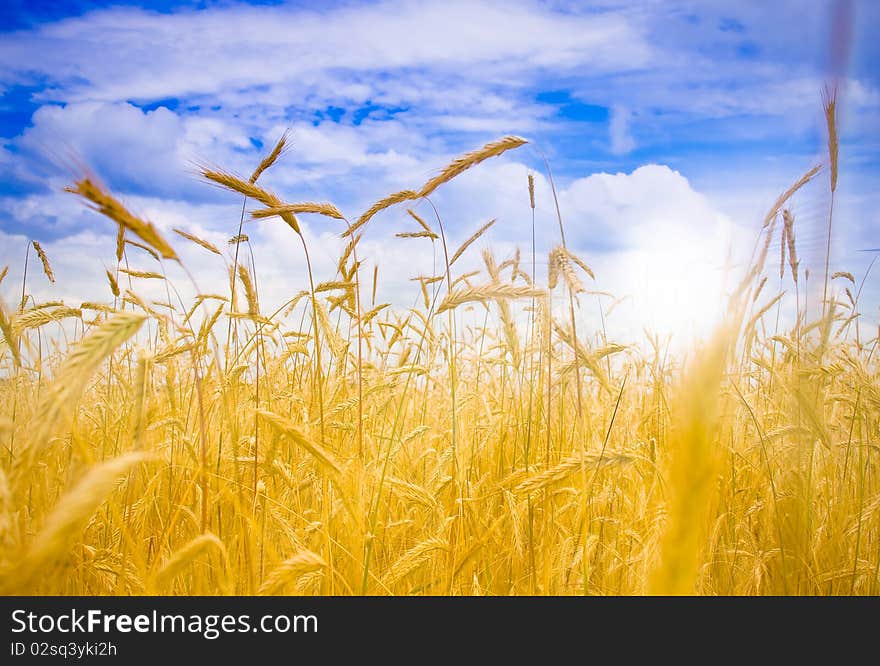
{"x":622,"y":141}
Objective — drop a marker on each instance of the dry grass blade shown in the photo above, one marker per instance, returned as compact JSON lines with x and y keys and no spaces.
{"x":590,"y":360}
{"x":694,"y":462}
{"x":208,"y":324}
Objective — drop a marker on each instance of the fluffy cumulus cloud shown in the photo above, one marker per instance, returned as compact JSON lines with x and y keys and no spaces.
{"x":669,"y":252}
{"x":669,"y":127}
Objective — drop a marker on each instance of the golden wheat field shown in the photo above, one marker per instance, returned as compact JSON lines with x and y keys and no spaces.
{"x":477,"y":443}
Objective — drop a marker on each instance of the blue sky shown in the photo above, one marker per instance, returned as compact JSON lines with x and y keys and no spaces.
{"x":660,"y":119}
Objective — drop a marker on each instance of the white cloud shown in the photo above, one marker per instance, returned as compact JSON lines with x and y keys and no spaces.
{"x":145,"y":151}
{"x":233,"y":48}
{"x":668,"y":251}
{"x":622,"y":141}
{"x":444,"y":76}
{"x":665,"y":248}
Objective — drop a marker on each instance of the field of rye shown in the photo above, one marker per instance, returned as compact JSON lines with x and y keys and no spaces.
{"x":343,"y":446}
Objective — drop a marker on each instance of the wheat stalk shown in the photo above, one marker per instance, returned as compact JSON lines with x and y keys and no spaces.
{"x":568,"y":466}
{"x":252,"y":191}
{"x":250,"y":291}
{"x":107,"y":205}
{"x":287,"y":428}
{"x":382,"y":204}
{"x":120,"y":242}
{"x":531,"y":191}
{"x":70,"y":381}
{"x":785,"y":196}
{"x":420,"y":221}
{"x":182,"y":558}
{"x":415,"y":557}
{"x":470,"y":241}
{"x":326,"y":209}
{"x":114,"y":285}
{"x":47,"y":268}
{"x":468,"y":160}
{"x":42,"y":316}
{"x":561,"y":260}
{"x":830,"y":107}
{"x":788,"y":222}
{"x":485,"y":293}
{"x":271,"y":158}
{"x":9,"y":334}
{"x":210,"y":247}
{"x":290,"y":571}
{"x":146,"y":275}
{"x":144,"y":247}
{"x":67,"y":519}
{"x":417,"y":234}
